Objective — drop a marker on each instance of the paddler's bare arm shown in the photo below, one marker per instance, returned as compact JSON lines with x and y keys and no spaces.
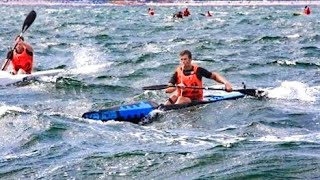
{"x":217,"y":77}
{"x":170,"y":89}
{"x":20,"y":41}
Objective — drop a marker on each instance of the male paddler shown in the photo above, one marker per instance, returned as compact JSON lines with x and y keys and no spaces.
{"x":151,"y":11}
{"x":21,"y":58}
{"x":186,"y":12}
{"x":307,"y":10}
{"x":187,"y":75}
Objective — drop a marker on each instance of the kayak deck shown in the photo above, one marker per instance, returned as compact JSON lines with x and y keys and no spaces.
{"x":8,"y":79}
{"x":135,"y":112}
{"x":132,"y":112}
{"x":206,"y":100}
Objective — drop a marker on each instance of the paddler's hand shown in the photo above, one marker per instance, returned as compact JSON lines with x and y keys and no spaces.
{"x":13,"y":72}
{"x":182,"y":86}
{"x":228,"y":87}
{"x":18,"y":40}
{"x":170,"y":89}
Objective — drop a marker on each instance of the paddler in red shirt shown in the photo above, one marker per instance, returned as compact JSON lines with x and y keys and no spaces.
{"x":186,"y":12}
{"x":151,"y":11}
{"x":188,"y":74}
{"x":306,"y":10}
{"x":21,"y":58}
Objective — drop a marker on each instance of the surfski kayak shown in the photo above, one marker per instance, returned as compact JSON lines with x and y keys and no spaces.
{"x":297,"y":14}
{"x":136,"y":112}
{"x":8,"y":79}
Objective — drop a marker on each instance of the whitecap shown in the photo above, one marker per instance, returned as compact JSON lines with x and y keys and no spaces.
{"x":293,"y":90}
{"x":6,"y":108}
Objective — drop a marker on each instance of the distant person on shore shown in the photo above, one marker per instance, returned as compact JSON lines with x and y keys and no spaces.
{"x":307,"y":10}
{"x":178,"y":15}
{"x":186,"y":12}
{"x":151,"y":11}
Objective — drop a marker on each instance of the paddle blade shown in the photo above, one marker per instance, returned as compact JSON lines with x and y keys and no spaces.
{"x":155,"y":87}
{"x":29,"y":20}
{"x":252,"y":92}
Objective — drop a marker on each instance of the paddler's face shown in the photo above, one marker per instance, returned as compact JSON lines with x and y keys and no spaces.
{"x":19,"y":48}
{"x":185,"y":61}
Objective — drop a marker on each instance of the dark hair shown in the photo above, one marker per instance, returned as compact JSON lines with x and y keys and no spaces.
{"x":186,"y":52}
{"x":305,"y":6}
{"x":21,"y":37}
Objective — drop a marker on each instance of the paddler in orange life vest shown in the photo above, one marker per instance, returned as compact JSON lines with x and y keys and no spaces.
{"x":151,"y":11}
{"x":306,"y":10}
{"x":188,"y":74}
{"x":186,"y":12}
{"x":21,"y":58}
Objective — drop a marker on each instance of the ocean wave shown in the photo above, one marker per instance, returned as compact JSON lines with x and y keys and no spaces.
{"x":294,"y":90}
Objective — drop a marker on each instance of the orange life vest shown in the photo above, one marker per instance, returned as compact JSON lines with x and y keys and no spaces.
{"x":191,"y":80}
{"x":22,"y":61}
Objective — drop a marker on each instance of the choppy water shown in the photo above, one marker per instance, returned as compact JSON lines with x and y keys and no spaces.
{"x":109,"y":53}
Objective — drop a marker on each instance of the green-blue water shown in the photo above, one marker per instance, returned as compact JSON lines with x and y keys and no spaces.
{"x":109,"y":53}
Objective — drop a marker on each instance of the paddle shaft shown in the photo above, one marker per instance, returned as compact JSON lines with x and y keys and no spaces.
{"x":197,"y":87}
{"x":164,"y":86}
{"x":250,"y":92}
{"x":8,"y":59}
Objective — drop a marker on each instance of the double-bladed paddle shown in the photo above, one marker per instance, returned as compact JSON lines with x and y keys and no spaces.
{"x":249,"y":92}
{"x":26,"y":24}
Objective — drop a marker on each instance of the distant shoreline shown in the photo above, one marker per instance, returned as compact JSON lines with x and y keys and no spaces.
{"x":207,"y":3}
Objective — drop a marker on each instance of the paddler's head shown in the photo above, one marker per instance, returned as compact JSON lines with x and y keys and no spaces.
{"x":185,"y":59}
{"x":19,"y":47}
